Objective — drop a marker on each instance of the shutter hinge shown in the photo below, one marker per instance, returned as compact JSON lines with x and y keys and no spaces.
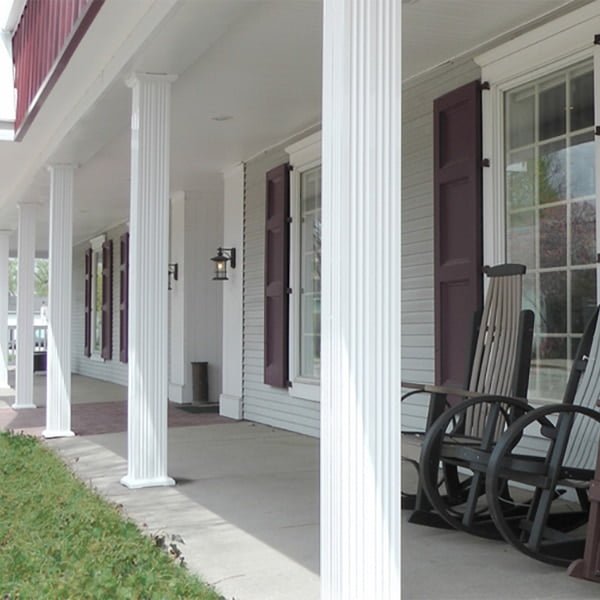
{"x":289,"y":220}
{"x":290,"y":167}
{"x":598,"y":258}
{"x":597,"y":130}
{"x":597,"y":39}
{"x":485,"y":85}
{"x":288,"y":290}
{"x":289,"y":383}
{"x":485,"y":162}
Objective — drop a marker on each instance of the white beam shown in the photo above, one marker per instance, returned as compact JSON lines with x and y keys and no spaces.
{"x":360,"y":390}
{"x":25,"y":279}
{"x":60,"y":269}
{"x":148,"y":264}
{"x":4,"y":247}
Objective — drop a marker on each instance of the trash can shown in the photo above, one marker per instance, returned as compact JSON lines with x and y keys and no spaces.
{"x":200,"y":382}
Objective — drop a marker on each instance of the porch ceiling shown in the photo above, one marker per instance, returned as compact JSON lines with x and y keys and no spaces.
{"x":436,"y":31}
{"x":258,"y":61}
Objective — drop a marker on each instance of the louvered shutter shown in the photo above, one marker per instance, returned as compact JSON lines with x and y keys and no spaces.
{"x":87,"y":315}
{"x":107,"y":301}
{"x":124,"y":299}
{"x":277,"y":261}
{"x":458,"y":227}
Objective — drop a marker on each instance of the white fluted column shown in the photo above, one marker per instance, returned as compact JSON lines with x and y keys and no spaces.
{"x":148,"y":264}
{"x":4,"y":247}
{"x":360,"y":399}
{"x":60,"y":269}
{"x":25,"y":267}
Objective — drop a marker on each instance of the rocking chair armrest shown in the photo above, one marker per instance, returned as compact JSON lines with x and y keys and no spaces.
{"x":442,"y":390}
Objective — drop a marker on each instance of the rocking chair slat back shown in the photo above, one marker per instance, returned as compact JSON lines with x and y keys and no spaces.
{"x":583,"y":443}
{"x":496,"y":356}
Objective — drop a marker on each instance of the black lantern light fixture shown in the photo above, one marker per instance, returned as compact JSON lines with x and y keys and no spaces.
{"x":220,"y":260}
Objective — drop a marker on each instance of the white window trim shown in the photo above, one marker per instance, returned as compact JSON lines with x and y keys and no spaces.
{"x":96,"y":245}
{"x":303,"y":155}
{"x":547,"y":49}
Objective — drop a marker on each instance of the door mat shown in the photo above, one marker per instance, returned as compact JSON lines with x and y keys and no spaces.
{"x":200,"y":408}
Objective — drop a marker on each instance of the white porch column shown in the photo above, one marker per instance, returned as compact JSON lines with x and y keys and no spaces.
{"x":230,"y":401}
{"x":58,"y":382}
{"x":148,"y":263}
{"x":4,"y":247}
{"x":360,"y":399}
{"x":25,"y":265}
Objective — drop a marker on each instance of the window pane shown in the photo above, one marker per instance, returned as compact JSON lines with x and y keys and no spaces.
{"x":582,"y":101}
{"x":552,"y":111}
{"x":521,"y":107}
{"x":553,"y":172}
{"x":521,"y":238}
{"x":581,"y":166}
{"x":553,"y":305}
{"x":583,"y":298}
{"x":553,"y":236}
{"x":583,"y":233}
{"x":310,"y":273}
{"x":520,"y":178}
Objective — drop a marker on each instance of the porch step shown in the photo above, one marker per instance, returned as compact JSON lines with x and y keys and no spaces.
{"x":205,"y":407}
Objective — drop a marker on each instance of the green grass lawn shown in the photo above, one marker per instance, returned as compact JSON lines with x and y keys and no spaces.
{"x":59,"y":540}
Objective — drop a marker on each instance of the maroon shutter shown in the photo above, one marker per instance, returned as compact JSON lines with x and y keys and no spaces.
{"x":457,"y":227}
{"x":277,"y":263}
{"x":87,"y":323}
{"x":107,"y":301}
{"x":124,"y":299}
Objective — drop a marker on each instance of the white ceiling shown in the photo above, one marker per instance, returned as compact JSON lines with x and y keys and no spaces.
{"x":258,"y":61}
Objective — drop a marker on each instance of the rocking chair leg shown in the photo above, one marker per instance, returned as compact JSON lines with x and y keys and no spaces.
{"x":423,"y":513}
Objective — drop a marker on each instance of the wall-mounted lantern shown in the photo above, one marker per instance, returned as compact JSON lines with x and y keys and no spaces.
{"x":173,"y":273}
{"x":220,"y":260}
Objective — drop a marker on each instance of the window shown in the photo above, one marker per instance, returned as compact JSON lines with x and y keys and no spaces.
{"x":551,"y":213}
{"x":305,"y":268}
{"x":98,"y":299}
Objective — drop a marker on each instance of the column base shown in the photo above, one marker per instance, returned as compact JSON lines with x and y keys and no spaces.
{"x":134,"y":484}
{"x":16,"y":406}
{"x":230,"y":406}
{"x":49,"y":434}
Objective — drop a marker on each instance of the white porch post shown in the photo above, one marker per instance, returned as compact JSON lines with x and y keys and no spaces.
{"x":58,"y":382}
{"x":4,"y":247}
{"x":148,"y":263}
{"x":360,"y":399}
{"x":25,"y":264}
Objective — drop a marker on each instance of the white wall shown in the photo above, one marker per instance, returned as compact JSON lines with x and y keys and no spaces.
{"x":203,"y":297}
{"x":233,"y":237}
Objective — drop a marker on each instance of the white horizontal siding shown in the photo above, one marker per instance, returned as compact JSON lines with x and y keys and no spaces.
{"x":417,"y":228}
{"x":110,"y":370}
{"x":263,"y":403}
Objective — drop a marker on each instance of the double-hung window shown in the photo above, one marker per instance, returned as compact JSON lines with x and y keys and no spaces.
{"x":305,"y":268}
{"x":540,"y":192}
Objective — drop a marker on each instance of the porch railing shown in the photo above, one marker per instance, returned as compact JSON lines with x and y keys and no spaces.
{"x":40,"y":341}
{"x":46,"y":37}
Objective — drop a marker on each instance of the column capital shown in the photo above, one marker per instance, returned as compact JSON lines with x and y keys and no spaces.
{"x":136,"y":78}
{"x":62,"y":166}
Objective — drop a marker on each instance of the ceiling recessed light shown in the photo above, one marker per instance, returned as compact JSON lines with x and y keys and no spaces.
{"x":222,"y":118}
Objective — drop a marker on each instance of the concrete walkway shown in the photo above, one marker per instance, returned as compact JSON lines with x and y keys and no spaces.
{"x":246,"y":501}
{"x":448,"y":565}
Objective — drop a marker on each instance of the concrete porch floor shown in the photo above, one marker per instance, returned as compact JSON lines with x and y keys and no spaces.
{"x":246,"y":501}
{"x":448,"y":565}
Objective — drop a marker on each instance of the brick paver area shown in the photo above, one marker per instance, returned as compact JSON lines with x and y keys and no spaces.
{"x":96,"y":418}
